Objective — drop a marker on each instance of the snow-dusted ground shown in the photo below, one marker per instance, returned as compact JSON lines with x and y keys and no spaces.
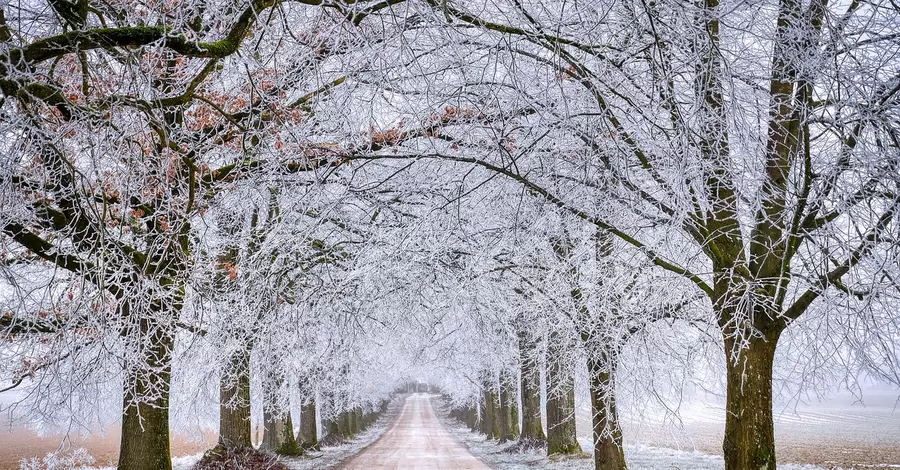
{"x":328,"y":457}
{"x":332,"y":457}
{"x":641,"y":457}
{"x":837,"y":432}
{"x":417,"y":440}
{"x":77,"y":458}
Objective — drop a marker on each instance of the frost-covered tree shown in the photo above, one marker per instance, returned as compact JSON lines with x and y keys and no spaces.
{"x":121,"y":123}
{"x":762,"y":137}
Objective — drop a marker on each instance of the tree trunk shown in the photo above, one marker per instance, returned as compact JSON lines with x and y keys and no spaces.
{"x":278,"y":434}
{"x":514,"y":412}
{"x":496,"y":416}
{"x":308,"y":437}
{"x":471,"y":418}
{"x":507,"y":404}
{"x":347,"y":424}
{"x":145,"y":422}
{"x":749,"y":428}
{"x":333,"y":430}
{"x":278,"y":428}
{"x":343,"y":421}
{"x":234,"y":404}
{"x":608,"y":453}
{"x":532,"y":429}
{"x":335,"y":426}
{"x":488,"y":417}
{"x":561,"y":438}
{"x":354,"y":421}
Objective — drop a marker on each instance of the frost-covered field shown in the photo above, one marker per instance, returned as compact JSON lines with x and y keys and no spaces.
{"x":638,"y":456}
{"x":836,"y":434}
{"x":839,"y":431}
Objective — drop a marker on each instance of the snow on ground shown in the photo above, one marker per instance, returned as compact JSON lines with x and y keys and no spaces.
{"x":186,"y":462}
{"x":840,"y":431}
{"x":332,"y":457}
{"x":638,"y":457}
{"x":328,"y":457}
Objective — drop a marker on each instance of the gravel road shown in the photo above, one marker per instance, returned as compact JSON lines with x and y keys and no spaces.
{"x":416,"y":440}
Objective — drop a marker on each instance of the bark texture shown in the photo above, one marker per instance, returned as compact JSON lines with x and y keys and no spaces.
{"x":308,"y":437}
{"x":561,"y":438}
{"x":749,"y":427}
{"x":490,"y":410}
{"x":278,"y":435}
{"x":145,"y":423}
{"x":608,"y":452}
{"x":234,"y":405}
{"x":532,"y":429}
{"x":508,"y":406}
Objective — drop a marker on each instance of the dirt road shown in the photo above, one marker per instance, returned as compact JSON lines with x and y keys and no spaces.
{"x":416,"y":440}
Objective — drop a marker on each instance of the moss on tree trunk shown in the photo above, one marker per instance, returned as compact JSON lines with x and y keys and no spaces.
{"x":532,"y":430}
{"x":489,"y":415}
{"x":278,"y":428}
{"x":607,"y":436}
{"x":505,"y":417}
{"x":308,"y":437}
{"x":749,"y":428}
{"x":278,"y":434}
{"x":145,"y":437}
{"x":234,"y":404}
{"x":561,"y":438}
{"x":145,"y":416}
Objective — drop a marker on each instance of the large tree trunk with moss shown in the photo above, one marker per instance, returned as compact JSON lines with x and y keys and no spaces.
{"x":561,"y":434}
{"x":497,"y":421}
{"x":278,"y":428}
{"x":508,"y":427}
{"x":749,"y":427}
{"x":607,"y":435}
{"x":309,"y":438}
{"x":489,"y":418}
{"x":278,"y":434}
{"x":234,"y":404}
{"x":750,"y":340}
{"x":145,"y":417}
{"x":532,"y":434}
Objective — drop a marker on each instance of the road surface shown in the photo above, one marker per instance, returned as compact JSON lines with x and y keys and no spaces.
{"x":416,"y":440}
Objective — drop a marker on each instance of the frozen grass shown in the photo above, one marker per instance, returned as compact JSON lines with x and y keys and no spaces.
{"x":74,"y":459}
